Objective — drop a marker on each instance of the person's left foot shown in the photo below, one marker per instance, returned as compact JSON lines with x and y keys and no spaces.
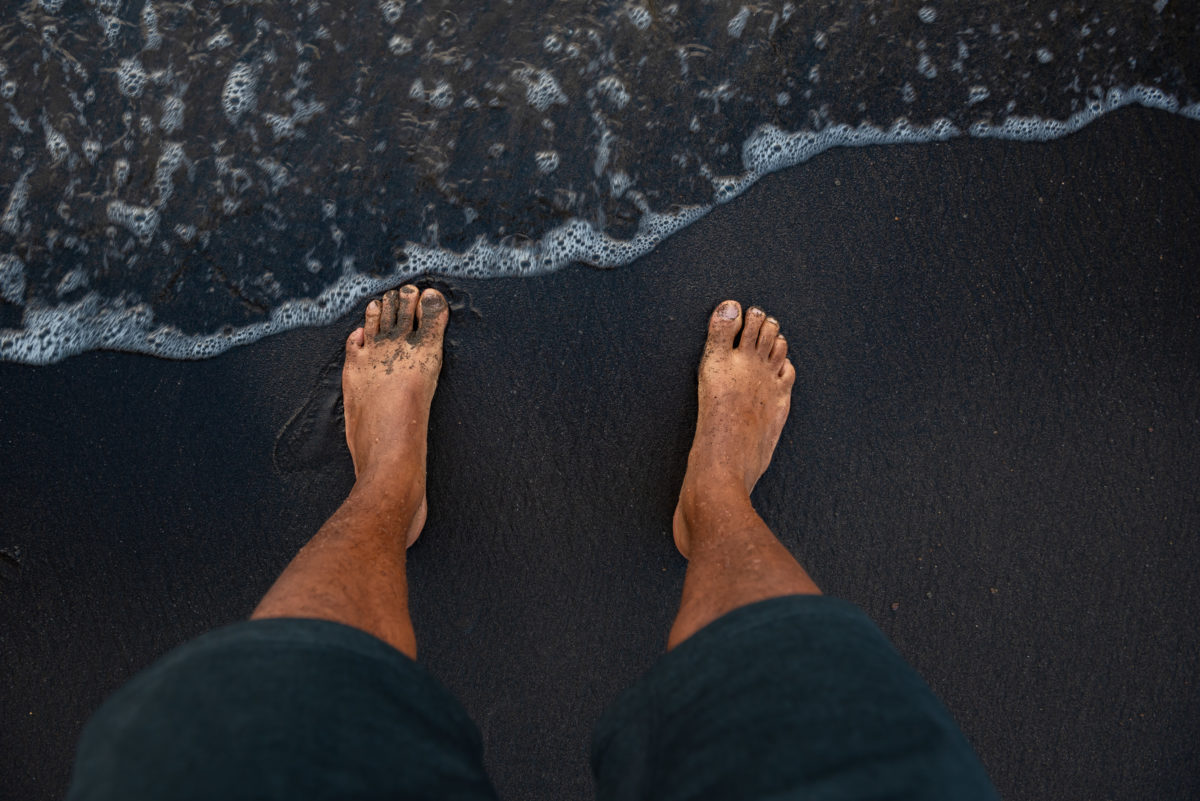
{"x":391,"y":372}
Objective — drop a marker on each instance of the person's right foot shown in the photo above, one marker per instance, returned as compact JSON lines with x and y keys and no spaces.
{"x":745,"y":394}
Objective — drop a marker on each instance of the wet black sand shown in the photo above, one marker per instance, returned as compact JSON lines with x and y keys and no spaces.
{"x":993,"y":449}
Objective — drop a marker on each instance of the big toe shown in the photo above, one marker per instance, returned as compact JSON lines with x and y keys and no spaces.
{"x":432,"y":315}
{"x":724,"y":324}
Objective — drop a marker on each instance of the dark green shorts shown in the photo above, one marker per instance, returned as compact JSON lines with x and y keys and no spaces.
{"x":798,"y":697}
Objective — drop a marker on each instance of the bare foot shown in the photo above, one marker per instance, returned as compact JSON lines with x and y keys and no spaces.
{"x":391,"y":372}
{"x":745,"y":394}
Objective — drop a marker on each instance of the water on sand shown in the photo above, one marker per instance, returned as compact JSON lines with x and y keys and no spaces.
{"x":179,"y":178}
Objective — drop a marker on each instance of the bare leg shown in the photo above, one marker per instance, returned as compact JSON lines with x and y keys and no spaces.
{"x":352,"y":571}
{"x":745,"y":394}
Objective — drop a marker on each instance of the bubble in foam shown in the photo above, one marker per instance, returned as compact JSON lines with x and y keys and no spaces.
{"x":738,"y":24}
{"x":399,"y":45}
{"x":639,"y":16}
{"x":141,"y":221}
{"x":612,"y":90}
{"x":12,"y":279}
{"x":75,"y":279}
{"x":120,"y":172}
{"x":172,"y":114}
{"x":220,"y":39}
{"x":547,"y":161}
{"x":280,"y":126}
{"x":392,"y":9}
{"x":237,"y":97}
{"x":926,"y":67}
{"x":18,"y":196}
{"x":170,"y":160}
{"x":131,"y":77}
{"x":441,"y":96}
{"x":150,"y":27}
{"x":541,"y":90}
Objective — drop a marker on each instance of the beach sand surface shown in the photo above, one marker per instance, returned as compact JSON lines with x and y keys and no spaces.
{"x":993,"y":449}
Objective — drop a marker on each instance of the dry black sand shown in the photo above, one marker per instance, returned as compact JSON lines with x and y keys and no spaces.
{"x":992,"y":449}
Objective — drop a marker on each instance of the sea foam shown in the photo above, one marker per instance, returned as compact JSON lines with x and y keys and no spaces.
{"x":186,"y":183}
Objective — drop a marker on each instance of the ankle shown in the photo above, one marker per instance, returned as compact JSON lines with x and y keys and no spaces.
{"x":711,"y":489}
{"x":382,"y":491}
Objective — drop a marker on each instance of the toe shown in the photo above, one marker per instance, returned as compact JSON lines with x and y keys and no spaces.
{"x":371,"y":324}
{"x":407,"y":308}
{"x":432,"y":314}
{"x":387,"y":317}
{"x":754,"y":321}
{"x":356,"y":339}
{"x":724,"y":324}
{"x":787,"y":373}
{"x":778,"y":353}
{"x":766,"y":336}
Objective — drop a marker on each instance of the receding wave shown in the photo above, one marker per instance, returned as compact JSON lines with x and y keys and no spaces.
{"x":181,"y":178}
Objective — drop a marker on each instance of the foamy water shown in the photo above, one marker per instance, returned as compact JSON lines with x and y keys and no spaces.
{"x":179,"y":179}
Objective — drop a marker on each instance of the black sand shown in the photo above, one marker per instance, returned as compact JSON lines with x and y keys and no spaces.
{"x":992,"y":449}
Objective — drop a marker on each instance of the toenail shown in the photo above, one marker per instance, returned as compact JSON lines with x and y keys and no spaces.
{"x":757,"y":312}
{"x":373,"y":305}
{"x":408,"y":289}
{"x":728,"y":310}
{"x":772,"y":320}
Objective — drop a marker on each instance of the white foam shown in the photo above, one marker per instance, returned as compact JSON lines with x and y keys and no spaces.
{"x":18,"y":196}
{"x":220,"y":39}
{"x":612,"y":90}
{"x":120,"y":172}
{"x":441,"y":95}
{"x":12,"y":279}
{"x":237,"y":97}
{"x":541,"y":89}
{"x":399,"y":45}
{"x":141,"y":221}
{"x":738,"y":24}
{"x":150,"y":27}
{"x":172,"y":114}
{"x":131,"y":77}
{"x":73,"y":280}
{"x":56,"y":144}
{"x":926,"y":67}
{"x":391,"y":9}
{"x":547,"y":161}
{"x":639,"y":16}
{"x":171,"y":159}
